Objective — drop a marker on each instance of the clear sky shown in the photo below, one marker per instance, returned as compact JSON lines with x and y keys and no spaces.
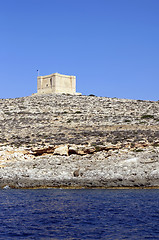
{"x":112,"y":46}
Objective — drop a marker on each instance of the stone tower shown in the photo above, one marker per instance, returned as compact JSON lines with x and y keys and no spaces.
{"x":56,"y":83}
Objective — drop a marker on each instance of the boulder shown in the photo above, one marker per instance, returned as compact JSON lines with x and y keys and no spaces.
{"x":61,"y":150}
{"x":73,"y":149}
{"x":76,"y":173}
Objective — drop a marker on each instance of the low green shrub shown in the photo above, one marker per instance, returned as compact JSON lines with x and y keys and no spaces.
{"x":92,"y":95}
{"x":147,"y":116}
{"x":138,"y":150}
{"x":127,"y":120}
{"x":78,"y":112}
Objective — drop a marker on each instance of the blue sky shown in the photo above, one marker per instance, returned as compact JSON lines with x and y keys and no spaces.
{"x":112,"y":46}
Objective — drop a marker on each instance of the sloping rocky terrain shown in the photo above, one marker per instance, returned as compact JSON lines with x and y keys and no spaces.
{"x":78,"y":141}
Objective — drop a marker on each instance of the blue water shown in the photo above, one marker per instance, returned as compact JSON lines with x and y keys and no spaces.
{"x":79,"y":214}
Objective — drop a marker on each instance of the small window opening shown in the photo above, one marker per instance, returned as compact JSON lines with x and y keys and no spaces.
{"x":51,"y":82}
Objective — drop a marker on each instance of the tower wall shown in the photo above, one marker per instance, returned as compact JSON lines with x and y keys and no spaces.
{"x":56,"y":83}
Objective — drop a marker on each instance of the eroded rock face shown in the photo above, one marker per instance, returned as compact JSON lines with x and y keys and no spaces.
{"x":118,"y":168}
{"x":78,"y":141}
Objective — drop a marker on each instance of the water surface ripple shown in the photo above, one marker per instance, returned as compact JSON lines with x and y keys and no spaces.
{"x":79,"y":214}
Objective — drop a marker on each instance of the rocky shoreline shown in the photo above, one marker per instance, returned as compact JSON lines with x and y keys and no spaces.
{"x":78,"y":142}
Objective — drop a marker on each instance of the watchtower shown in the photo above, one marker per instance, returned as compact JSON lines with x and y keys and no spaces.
{"x":56,"y":83}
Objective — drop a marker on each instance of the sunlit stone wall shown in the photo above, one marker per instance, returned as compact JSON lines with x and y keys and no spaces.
{"x":56,"y":83}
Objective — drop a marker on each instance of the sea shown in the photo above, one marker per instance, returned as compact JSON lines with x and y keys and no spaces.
{"x":79,"y":214}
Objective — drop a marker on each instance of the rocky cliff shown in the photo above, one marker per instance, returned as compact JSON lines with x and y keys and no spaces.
{"x":78,"y":141}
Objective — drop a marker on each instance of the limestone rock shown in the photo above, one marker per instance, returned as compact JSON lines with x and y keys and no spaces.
{"x":81,"y":149}
{"x":45,"y":138}
{"x":62,"y":150}
{"x":76,"y":173}
{"x":73,"y":149}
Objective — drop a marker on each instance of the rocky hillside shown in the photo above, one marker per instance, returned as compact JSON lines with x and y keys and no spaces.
{"x":61,"y":119}
{"x":78,"y":141}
